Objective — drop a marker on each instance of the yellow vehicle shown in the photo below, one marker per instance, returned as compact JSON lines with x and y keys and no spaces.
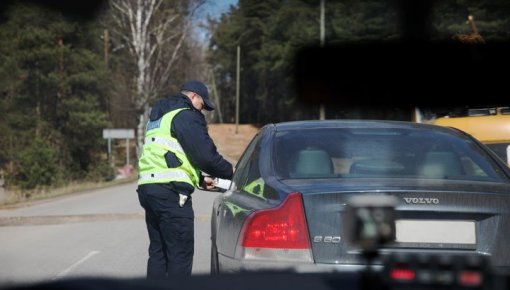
{"x":490,"y":126}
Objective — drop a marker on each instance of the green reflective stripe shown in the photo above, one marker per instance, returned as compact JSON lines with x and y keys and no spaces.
{"x":165,"y":142}
{"x":256,"y":187}
{"x":234,"y":209}
{"x":173,"y":175}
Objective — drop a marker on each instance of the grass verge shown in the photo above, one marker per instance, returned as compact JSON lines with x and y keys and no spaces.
{"x":14,"y":199}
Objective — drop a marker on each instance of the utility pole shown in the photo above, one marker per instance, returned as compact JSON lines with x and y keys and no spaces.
{"x":106,"y":46}
{"x":237,"y":86}
{"x":218,"y":98}
{"x":323,"y":24}
{"x":322,"y":109}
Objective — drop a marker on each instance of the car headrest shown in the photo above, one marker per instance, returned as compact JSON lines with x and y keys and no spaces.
{"x":312,"y":163}
{"x":441,"y":165}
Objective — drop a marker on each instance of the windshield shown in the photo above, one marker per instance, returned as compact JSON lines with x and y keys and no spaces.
{"x":391,"y":153}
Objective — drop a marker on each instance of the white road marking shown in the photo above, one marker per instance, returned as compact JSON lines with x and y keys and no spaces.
{"x":66,"y":271}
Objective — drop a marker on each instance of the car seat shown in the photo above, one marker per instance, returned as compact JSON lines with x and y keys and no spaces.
{"x":376,"y":167}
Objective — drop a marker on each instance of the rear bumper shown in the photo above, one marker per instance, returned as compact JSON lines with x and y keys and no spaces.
{"x":229,"y":265}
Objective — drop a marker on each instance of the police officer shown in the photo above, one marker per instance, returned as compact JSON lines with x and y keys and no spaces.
{"x":177,"y":148}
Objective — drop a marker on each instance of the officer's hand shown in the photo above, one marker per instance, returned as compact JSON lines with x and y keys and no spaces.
{"x":208,"y":183}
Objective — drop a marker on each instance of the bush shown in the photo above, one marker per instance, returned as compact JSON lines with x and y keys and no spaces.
{"x":101,"y":171}
{"x":38,"y":165}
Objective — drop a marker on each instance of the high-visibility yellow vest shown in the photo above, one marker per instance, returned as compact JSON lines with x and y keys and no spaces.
{"x":159,"y":141}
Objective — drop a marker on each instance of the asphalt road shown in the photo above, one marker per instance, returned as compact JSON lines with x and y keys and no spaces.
{"x":100,"y":233}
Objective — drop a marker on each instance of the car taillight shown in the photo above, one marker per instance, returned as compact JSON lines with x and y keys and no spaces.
{"x":283,"y":227}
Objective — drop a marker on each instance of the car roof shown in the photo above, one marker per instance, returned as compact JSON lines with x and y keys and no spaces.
{"x":383,"y":124}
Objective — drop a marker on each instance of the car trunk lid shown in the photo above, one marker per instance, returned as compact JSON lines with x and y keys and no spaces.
{"x":431,"y":217}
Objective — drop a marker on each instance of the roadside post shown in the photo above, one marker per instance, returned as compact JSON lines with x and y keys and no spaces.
{"x":118,"y":134}
{"x":2,"y":191}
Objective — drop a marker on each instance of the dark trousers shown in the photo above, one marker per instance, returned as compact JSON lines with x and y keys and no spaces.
{"x":171,"y":233}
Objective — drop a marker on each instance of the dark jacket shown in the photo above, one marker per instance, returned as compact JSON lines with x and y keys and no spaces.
{"x":190,"y":129}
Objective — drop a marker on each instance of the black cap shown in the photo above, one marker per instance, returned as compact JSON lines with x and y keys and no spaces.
{"x":200,"y":89}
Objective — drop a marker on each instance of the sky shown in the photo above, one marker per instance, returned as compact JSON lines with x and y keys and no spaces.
{"x":213,"y":8}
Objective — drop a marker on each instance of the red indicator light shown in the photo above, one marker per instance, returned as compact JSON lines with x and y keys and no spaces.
{"x":402,"y":274}
{"x":470,"y":278}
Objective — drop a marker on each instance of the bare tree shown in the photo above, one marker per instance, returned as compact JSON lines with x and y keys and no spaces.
{"x":154,"y":32}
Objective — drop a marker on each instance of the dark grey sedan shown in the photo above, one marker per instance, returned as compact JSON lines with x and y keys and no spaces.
{"x":284,"y":208}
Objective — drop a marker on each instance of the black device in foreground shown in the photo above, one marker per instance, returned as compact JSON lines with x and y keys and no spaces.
{"x":369,"y":222}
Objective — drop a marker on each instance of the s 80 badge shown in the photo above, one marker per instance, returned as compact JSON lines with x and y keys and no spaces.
{"x":327,"y":239}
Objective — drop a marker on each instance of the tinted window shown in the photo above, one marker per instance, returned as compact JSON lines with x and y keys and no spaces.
{"x":241,"y":168}
{"x":393,"y":153}
{"x":248,"y":179}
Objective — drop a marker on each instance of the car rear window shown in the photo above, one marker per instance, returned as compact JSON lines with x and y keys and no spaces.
{"x":381,"y":152}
